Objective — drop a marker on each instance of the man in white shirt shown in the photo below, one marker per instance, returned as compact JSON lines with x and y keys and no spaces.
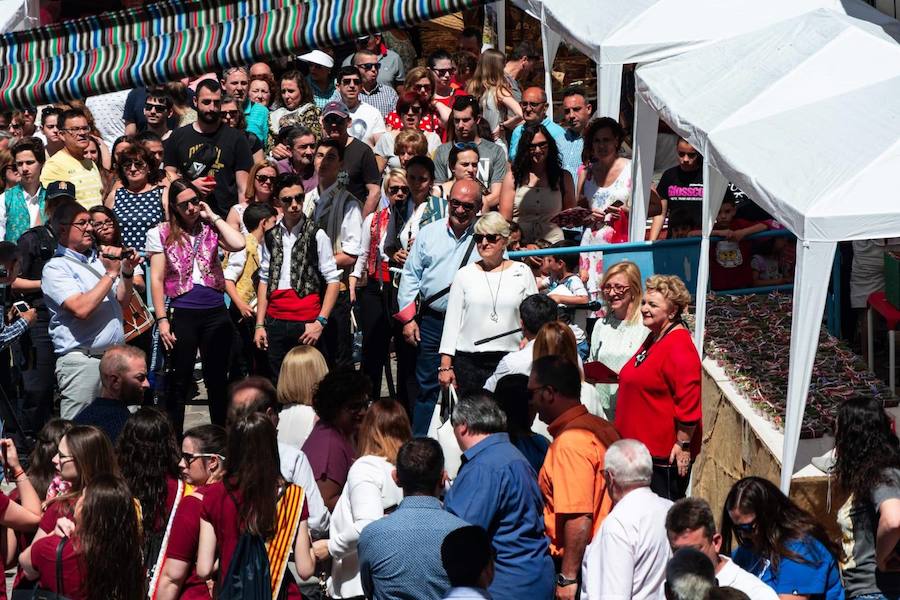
{"x":367,"y":124}
{"x":627,"y":558}
{"x":690,"y":524}
{"x":534,"y":312}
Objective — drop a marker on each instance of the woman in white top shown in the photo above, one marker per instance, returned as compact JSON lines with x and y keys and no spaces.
{"x":369,"y":494}
{"x":301,"y":371}
{"x":482,"y":319}
{"x":619,"y":334}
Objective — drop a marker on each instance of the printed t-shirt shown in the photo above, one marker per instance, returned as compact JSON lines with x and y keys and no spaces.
{"x":730,"y":264}
{"x":684,"y":189}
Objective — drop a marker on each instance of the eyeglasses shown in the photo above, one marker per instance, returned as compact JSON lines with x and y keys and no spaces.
{"x":350,"y":82}
{"x":615,"y":289}
{"x":137,"y":164}
{"x":444,"y":72}
{"x":77,"y":130}
{"x":369,"y":66}
{"x":538,"y":146}
{"x":465,"y":146}
{"x":413,"y":110}
{"x":64,"y":457}
{"x":82,"y":225}
{"x":231,"y":114}
{"x":195,"y":201}
{"x":189,"y":457}
{"x":466,"y":206}
{"x":265,"y":179}
{"x":288,"y":200}
{"x":422,"y":87}
{"x":358,"y":407}
{"x":101,"y":224}
{"x":531,"y":104}
{"x":490,"y":238}
{"x":150,"y":107}
{"x":396,"y":189}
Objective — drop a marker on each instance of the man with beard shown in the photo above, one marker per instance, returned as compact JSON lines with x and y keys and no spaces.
{"x":123,"y":379}
{"x":302,"y":144}
{"x":236,"y":83}
{"x":214,"y":157}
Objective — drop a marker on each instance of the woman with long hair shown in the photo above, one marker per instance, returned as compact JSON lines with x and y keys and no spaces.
{"x":261,"y":189}
{"x":867,"y":468}
{"x":298,"y":106}
{"x":370,"y":493}
{"x":148,"y":458}
{"x":202,"y":463}
{"x":254,"y":498}
{"x":41,"y":469}
{"x":107,"y":231}
{"x":302,"y":369}
{"x":185,"y":267}
{"x":138,"y":202}
{"x":779,"y":542}
{"x":498,"y":107}
{"x":537,"y":187}
{"x":102,"y":556}
{"x":617,"y":335}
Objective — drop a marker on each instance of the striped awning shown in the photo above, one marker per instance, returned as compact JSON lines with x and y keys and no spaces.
{"x":170,"y":40}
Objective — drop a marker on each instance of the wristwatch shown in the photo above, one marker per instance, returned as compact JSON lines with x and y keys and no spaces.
{"x":563,"y":581}
{"x":684,"y":445}
{"x":322,"y":321}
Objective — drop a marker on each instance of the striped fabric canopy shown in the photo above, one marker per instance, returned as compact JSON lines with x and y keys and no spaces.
{"x":187,"y":39}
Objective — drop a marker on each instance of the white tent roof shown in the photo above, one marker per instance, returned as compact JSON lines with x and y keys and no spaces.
{"x":801,"y":116}
{"x":13,"y":15}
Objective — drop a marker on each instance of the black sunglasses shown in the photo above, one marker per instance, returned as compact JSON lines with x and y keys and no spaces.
{"x":490,"y":237}
{"x":394,"y":189}
{"x":150,"y":107}
{"x":442,"y":72}
{"x":467,"y":206}
{"x":288,"y":200}
{"x":369,"y":66}
{"x":195,"y":201}
{"x":265,"y":179}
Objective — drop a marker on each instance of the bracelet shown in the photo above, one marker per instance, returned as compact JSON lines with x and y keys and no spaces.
{"x":112,"y":277}
{"x":444,"y":369}
{"x":323,"y":321}
{"x":216,"y":220}
{"x":16,"y":475}
{"x":158,"y":319}
{"x":258,"y":326}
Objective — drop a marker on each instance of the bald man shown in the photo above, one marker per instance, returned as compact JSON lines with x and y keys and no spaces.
{"x":534,"y":110}
{"x":123,"y":379}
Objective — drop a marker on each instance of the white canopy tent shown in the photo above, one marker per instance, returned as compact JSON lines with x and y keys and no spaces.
{"x":802,"y":117}
{"x":16,"y":15}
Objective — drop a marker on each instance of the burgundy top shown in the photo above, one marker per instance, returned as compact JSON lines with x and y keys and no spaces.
{"x":330,"y":454}
{"x":55,"y":511}
{"x":43,"y":559}
{"x":219,"y":510}
{"x":183,"y":540}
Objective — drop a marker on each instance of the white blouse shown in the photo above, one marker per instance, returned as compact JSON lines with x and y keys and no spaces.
{"x":482,"y":305}
{"x":295,"y":423}
{"x":368,"y":492}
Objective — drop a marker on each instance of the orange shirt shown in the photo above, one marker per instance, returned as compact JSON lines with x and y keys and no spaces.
{"x":571,"y":479}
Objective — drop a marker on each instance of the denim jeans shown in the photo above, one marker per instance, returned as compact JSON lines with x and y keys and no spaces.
{"x":430,"y":330}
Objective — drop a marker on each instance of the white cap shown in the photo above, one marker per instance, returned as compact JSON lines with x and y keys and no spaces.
{"x":318,"y":57}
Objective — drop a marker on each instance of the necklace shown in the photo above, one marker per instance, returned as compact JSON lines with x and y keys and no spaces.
{"x":642,"y":356}
{"x":494,"y":298}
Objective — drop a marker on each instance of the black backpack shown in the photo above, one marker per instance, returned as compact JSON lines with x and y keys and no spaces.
{"x":248,"y":576}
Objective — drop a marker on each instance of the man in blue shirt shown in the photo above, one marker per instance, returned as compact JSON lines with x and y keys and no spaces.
{"x":576,"y":116}
{"x":496,"y":488}
{"x":84,"y":290}
{"x":400,"y":554}
{"x":123,"y":379}
{"x":534,"y":110}
{"x":440,"y":250}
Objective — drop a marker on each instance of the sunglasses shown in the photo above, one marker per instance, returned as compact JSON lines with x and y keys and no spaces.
{"x":333,"y":121}
{"x":444,"y":72}
{"x":423,"y":87}
{"x":491,"y":238}
{"x":615,"y":289}
{"x":288,"y":200}
{"x":396,"y":189}
{"x":531,"y":104}
{"x":231,"y":114}
{"x":265,"y":179}
{"x":353,"y":82}
{"x":466,"y":206}
{"x":138,"y":164}
{"x":538,"y":146}
{"x":744,"y":528}
{"x":369,"y":66}
{"x":150,"y":107}
{"x":413,"y":110}
{"x":195,"y":201}
{"x":189,"y":457}
{"x":465,"y":146}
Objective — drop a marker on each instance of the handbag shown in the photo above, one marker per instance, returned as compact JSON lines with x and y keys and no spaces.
{"x":441,"y":429}
{"x":39,"y":594}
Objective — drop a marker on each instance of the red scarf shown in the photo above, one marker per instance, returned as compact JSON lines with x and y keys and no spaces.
{"x":377,"y":268}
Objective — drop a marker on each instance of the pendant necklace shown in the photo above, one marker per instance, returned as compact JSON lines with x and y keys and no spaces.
{"x":494,"y":299}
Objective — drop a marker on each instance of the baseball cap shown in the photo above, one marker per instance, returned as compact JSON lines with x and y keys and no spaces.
{"x":55,"y":189}
{"x":336,"y":108}
{"x":317,"y":57}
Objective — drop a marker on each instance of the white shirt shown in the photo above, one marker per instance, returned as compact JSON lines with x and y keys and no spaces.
{"x":514,"y":363}
{"x":107,"y":110}
{"x":573,"y":287}
{"x":31,"y":203}
{"x":366,"y":124}
{"x":386,"y":146}
{"x":295,"y":469}
{"x":327,"y":266}
{"x":236,"y":261}
{"x":478,"y":298}
{"x":368,"y":492}
{"x":627,"y":558}
{"x":731,"y":575}
{"x":467,"y":593}
{"x":360,"y":267}
{"x":295,"y":423}
{"x":351,"y":226}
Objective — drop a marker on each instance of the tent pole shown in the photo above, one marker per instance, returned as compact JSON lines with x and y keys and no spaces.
{"x":646,"y":123}
{"x":714,"y":185}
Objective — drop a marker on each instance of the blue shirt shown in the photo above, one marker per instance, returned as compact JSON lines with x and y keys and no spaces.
{"x":432,"y":263}
{"x":556,"y":132}
{"x":400,"y":555}
{"x":818,"y":577}
{"x":570,"y":148}
{"x":60,"y":280}
{"x":109,"y":415}
{"x":257,"y":120}
{"x":9,"y":333}
{"x":497,"y":489}
{"x":320,"y":96}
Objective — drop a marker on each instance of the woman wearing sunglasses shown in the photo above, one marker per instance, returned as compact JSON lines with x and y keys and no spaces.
{"x":389,"y":151}
{"x":262,"y":177}
{"x":202,"y":462}
{"x":780,"y":543}
{"x":422,"y":82}
{"x":185,"y":267}
{"x":482,"y":320}
{"x":138,"y":202}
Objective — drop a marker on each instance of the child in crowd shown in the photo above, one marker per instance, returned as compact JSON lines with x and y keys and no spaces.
{"x":681,"y":224}
{"x":771,"y":264}
{"x":729,"y":263}
{"x":566,"y":289}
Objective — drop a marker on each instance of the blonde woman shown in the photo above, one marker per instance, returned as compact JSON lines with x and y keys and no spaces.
{"x":557,"y":337}
{"x":301,"y":371}
{"x":369,"y":494}
{"x":618,"y":335}
{"x":498,"y":107}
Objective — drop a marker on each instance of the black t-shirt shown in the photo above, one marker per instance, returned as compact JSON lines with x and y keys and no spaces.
{"x":36,"y":247}
{"x":220,"y":154}
{"x":684,"y":189}
{"x":361,"y":168}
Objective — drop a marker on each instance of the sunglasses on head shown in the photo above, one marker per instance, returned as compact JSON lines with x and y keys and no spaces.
{"x":490,"y":238}
{"x":369,"y":66}
{"x":288,"y":200}
{"x":195,"y":201}
{"x":265,"y":179}
{"x":465,"y":146}
{"x":396,"y":189}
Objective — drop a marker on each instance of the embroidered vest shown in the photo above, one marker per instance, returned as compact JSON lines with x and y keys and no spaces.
{"x":18,"y":221}
{"x":305,"y":276}
{"x":179,"y":266}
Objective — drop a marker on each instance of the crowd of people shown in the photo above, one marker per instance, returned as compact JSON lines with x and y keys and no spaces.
{"x":542,"y":422}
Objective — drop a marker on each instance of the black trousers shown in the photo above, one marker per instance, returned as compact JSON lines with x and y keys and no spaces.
{"x":283,"y":336}
{"x":246,"y":358}
{"x":473,"y":368}
{"x":666,"y":482}
{"x":337,"y":340}
{"x":33,"y":354}
{"x":210,"y":331}
{"x":377,"y":331}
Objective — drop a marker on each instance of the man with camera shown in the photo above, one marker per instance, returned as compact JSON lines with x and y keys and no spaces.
{"x":85,"y":289}
{"x":20,"y":315}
